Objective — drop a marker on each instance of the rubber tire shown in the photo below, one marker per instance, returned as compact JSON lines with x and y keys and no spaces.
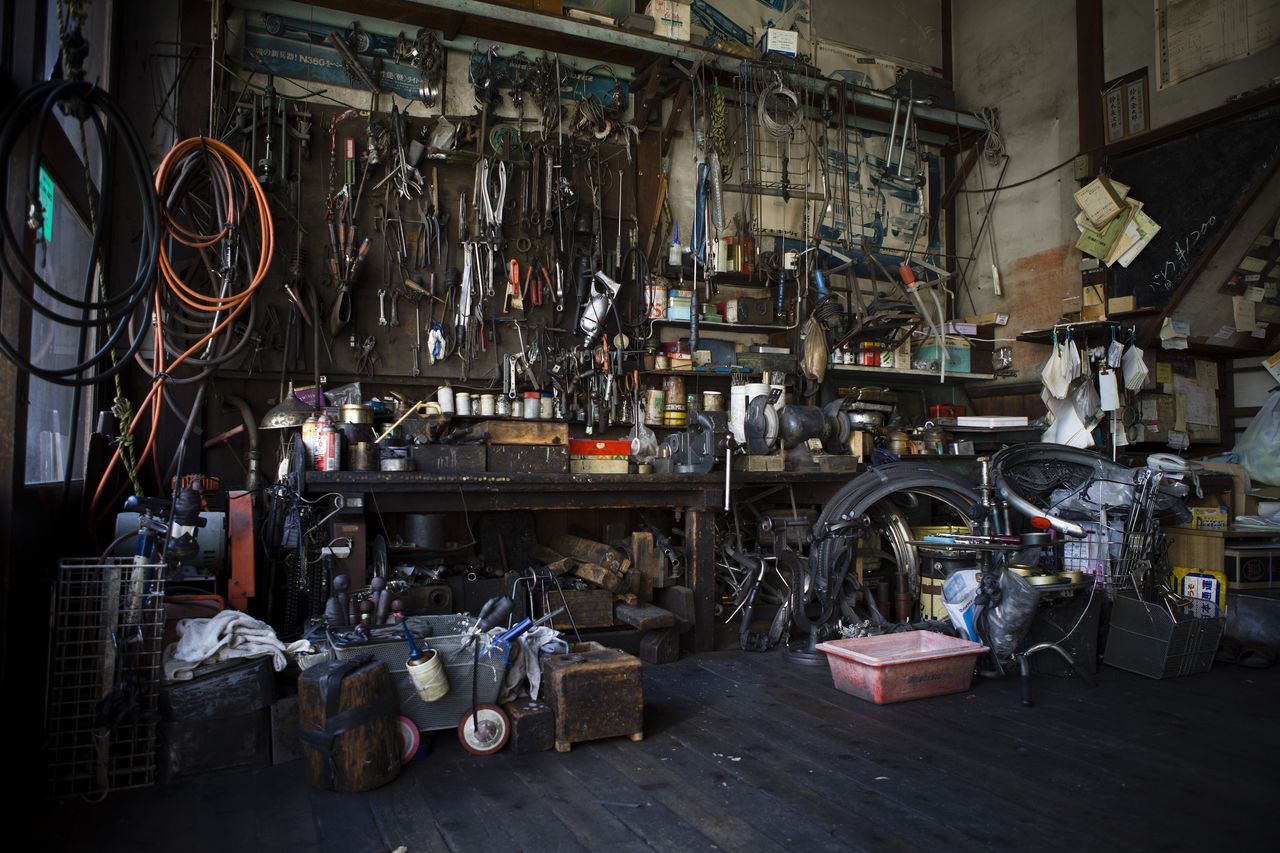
{"x":485,"y":712}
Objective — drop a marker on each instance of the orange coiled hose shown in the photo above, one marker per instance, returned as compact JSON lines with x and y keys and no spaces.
{"x":240,"y":188}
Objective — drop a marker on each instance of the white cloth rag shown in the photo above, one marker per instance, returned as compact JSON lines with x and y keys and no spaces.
{"x":527,"y":655}
{"x":230,"y":634}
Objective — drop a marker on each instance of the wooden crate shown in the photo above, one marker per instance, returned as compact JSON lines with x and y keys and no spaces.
{"x":449,"y":458}
{"x":595,"y":693}
{"x":528,"y":458}
{"x":591,"y":608}
{"x":527,"y":432}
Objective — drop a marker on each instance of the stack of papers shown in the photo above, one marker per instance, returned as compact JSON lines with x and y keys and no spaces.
{"x":1112,"y":226}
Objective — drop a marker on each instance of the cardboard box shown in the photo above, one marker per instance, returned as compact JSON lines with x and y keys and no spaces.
{"x":782,"y":42}
{"x":1121,"y":304}
{"x":1206,"y":587}
{"x":671,"y":19}
{"x":1252,"y":568}
{"x":991,"y":318}
{"x":1209,"y":517}
{"x":1094,"y":306}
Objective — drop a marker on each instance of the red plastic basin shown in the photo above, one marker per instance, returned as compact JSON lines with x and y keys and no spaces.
{"x":897,"y":667}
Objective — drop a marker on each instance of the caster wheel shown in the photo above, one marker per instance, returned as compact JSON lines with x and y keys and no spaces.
{"x":410,"y":739}
{"x":484,"y":732}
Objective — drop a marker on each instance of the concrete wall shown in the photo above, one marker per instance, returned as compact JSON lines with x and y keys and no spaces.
{"x":1020,"y":58}
{"x":1129,"y":43}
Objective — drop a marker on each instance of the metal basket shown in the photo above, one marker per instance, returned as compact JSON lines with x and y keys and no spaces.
{"x":448,"y":636}
{"x":104,"y":676}
{"x":1154,"y":641}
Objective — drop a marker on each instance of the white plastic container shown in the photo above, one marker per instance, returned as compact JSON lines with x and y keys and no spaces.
{"x":464,"y":403}
{"x":738,"y":412}
{"x":444,"y":396}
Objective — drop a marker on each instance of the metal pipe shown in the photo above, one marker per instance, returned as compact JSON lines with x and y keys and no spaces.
{"x":251,"y":432}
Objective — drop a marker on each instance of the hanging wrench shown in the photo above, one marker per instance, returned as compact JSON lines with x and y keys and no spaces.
{"x":395,"y":307}
{"x":382,"y":306}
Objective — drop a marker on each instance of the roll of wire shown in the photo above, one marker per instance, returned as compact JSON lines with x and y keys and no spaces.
{"x":200,"y":181}
{"x":98,"y":315}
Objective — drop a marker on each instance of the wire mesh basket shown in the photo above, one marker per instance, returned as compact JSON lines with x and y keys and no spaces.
{"x":1159,"y":641}
{"x":1118,"y":558}
{"x":448,"y":636}
{"x":104,"y":676}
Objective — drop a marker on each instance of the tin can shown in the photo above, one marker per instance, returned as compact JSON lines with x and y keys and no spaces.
{"x":532,"y":404}
{"x":546,"y":406}
{"x":655,"y":300}
{"x":654,"y":400}
{"x":661,"y":362}
{"x":365,"y":456}
{"x":503,"y":407}
{"x":712,"y":401}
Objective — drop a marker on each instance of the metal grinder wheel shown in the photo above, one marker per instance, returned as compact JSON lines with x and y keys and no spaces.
{"x":484,"y":732}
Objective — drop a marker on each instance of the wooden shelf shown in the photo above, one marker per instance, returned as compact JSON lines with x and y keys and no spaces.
{"x":746,"y":328}
{"x":912,"y":376}
{"x":702,"y":374}
{"x":463,"y":21}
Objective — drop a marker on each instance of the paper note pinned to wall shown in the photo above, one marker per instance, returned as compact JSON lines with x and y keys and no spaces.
{"x":1224,"y":333}
{"x":1260,"y":330}
{"x":1254,"y":293}
{"x":1206,"y":374}
{"x":1243,"y":313}
{"x":1251,"y":264}
{"x":1164,"y":372}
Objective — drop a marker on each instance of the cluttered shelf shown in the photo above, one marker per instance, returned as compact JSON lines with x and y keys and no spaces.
{"x":907,"y":374}
{"x":730,"y":327}
{"x":468,"y":19}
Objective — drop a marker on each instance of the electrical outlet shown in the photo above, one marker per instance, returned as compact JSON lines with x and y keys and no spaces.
{"x":1082,"y":167}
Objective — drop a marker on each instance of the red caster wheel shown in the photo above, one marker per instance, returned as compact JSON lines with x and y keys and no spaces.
{"x":485,"y":731}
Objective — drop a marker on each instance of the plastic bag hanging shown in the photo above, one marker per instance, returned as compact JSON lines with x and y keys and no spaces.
{"x":1055,"y":374}
{"x":1074,"y":360}
{"x":1115,"y":351}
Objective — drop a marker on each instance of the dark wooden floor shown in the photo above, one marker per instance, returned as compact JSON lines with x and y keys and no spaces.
{"x":748,"y":752}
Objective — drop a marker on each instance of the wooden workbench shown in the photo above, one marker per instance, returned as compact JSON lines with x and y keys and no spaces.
{"x":699,"y":496}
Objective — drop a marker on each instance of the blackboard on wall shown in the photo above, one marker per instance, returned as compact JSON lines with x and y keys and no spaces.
{"x":1192,"y":186}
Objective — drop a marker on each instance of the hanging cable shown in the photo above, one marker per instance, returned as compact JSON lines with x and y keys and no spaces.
{"x":212,"y":201}
{"x":101,"y":317}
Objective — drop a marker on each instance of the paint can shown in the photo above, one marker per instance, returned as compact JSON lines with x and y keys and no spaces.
{"x":428,"y":676}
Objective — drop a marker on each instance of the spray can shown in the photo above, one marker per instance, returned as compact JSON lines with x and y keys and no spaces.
{"x":310,"y":436}
{"x":329,"y":448}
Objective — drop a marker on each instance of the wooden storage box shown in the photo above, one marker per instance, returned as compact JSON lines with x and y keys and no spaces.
{"x":532,"y":726}
{"x":594,"y":693}
{"x":528,"y":458}
{"x":527,"y":432}
{"x":590,"y":608}
{"x":193,"y":747}
{"x":449,"y":458}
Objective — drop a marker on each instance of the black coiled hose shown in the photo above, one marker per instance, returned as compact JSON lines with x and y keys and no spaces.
{"x":102,"y":316}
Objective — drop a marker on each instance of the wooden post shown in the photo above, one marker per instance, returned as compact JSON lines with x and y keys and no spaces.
{"x":699,"y":528}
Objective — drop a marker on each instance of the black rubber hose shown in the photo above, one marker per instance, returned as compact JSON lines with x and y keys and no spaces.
{"x":24,"y":121}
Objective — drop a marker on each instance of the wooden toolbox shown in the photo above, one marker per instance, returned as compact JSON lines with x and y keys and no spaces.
{"x":594,"y":693}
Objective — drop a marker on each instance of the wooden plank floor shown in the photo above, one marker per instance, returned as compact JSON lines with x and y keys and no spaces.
{"x":748,"y":752}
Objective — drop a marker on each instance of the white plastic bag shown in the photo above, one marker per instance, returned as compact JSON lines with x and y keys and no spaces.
{"x":1259,"y":448}
{"x":1056,"y":373}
